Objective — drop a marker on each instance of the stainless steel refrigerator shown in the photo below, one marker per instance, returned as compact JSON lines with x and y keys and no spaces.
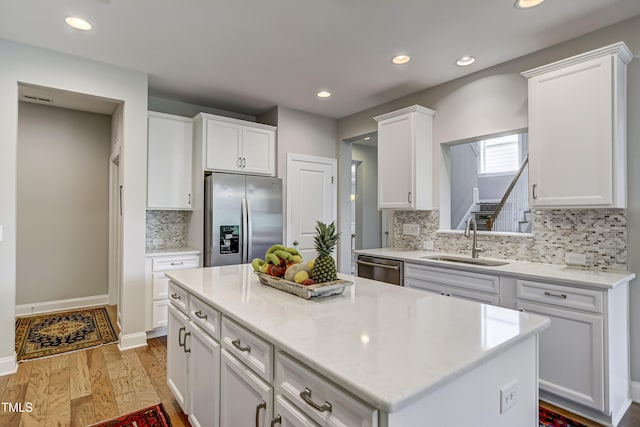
{"x":243,"y":217}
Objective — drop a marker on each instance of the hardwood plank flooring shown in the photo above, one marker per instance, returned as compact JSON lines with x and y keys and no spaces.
{"x":93,"y":385}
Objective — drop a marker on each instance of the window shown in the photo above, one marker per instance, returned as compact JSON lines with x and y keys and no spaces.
{"x":499,"y":155}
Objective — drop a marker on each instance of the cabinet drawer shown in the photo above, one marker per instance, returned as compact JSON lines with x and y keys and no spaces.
{"x":175,"y":263}
{"x":461,"y":279}
{"x":254,"y":351}
{"x":314,"y":395}
{"x":178,"y":297}
{"x":160,"y":286}
{"x":160,"y":313}
{"x":204,"y":316}
{"x":564,"y":296}
{"x":424,"y":285}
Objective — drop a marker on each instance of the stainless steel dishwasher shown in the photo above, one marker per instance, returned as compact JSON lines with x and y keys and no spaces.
{"x":381,"y":269}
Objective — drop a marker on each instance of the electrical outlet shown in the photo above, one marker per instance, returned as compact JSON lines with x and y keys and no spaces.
{"x":427,"y":245}
{"x":158,"y":242}
{"x":573,"y":258}
{"x":508,"y":396}
{"x":411,"y":229}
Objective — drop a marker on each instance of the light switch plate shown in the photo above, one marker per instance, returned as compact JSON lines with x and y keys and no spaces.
{"x":0,"y":233}
{"x":508,"y":396}
{"x":411,"y":229}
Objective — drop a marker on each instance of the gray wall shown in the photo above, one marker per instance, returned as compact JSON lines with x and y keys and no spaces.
{"x":368,"y":216}
{"x":500,"y":93}
{"x":178,"y":108}
{"x":63,"y":203}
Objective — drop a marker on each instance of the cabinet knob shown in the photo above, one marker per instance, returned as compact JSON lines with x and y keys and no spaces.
{"x":533,"y":191}
{"x":296,"y":243}
{"x":175,"y":296}
{"x":409,"y":197}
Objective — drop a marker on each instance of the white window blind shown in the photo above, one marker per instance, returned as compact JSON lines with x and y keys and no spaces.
{"x":499,"y":155}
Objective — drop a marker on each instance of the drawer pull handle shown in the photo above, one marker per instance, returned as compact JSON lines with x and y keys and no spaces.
{"x":177,"y":263}
{"x":175,"y":296}
{"x":262,"y":405}
{"x":276,"y":420}
{"x":551,"y":294}
{"x":180,"y":337}
{"x":186,"y":350}
{"x":199,"y":315}
{"x":373,"y":264}
{"x":236,"y":344}
{"x":306,"y":396}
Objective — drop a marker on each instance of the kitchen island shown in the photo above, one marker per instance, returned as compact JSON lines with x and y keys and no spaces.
{"x":378,"y":355}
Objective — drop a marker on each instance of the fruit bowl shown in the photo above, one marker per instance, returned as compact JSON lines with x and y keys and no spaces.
{"x":317,"y":290}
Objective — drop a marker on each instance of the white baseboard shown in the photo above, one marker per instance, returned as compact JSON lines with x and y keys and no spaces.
{"x":155,"y":333}
{"x":635,"y":391}
{"x":61,"y":305}
{"x":132,"y":341}
{"x":8,"y":365}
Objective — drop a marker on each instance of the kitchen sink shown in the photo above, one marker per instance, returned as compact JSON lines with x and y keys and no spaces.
{"x":463,"y":260}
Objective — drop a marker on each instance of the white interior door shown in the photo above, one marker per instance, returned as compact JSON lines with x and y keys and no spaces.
{"x":312,"y":195}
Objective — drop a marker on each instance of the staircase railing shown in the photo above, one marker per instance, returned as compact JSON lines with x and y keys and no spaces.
{"x":511,"y":208}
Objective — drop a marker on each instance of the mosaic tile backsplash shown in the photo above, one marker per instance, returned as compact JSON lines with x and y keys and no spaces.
{"x":599,"y":234}
{"x":168,"y":226}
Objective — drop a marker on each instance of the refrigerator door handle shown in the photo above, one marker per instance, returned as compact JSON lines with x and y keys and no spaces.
{"x":244,"y":233}
{"x":249,"y":232}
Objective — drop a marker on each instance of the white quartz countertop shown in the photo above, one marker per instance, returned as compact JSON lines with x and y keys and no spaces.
{"x":386,"y":344}
{"x":171,"y":251}
{"x":521,"y":269}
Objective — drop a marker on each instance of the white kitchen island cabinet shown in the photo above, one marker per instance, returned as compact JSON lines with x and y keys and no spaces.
{"x":405,"y":159}
{"x":577,"y":113}
{"x":376,"y":356}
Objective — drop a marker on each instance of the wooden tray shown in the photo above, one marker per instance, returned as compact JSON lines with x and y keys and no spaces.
{"x":317,"y":290}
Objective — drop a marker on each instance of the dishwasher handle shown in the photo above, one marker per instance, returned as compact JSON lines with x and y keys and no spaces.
{"x":373,"y":264}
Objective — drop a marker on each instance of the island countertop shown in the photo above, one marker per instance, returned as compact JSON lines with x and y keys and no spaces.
{"x":386,"y":344}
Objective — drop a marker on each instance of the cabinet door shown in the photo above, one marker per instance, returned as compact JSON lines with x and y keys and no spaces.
{"x":204,"y":384}
{"x":160,"y":313}
{"x":571,"y":119}
{"x":287,"y":415}
{"x":245,"y":399}
{"x":177,"y":370}
{"x":223,"y":145}
{"x":169,"y":162}
{"x":396,"y":173}
{"x":571,"y":354}
{"x":258,"y":151}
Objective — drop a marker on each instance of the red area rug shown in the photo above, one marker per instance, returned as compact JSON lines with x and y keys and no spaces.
{"x":549,"y":418}
{"x":153,"y":416}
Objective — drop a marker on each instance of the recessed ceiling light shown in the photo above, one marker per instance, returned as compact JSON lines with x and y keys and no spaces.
{"x":527,"y":4}
{"x":401,"y":59}
{"x":465,"y":60}
{"x":366,"y":138}
{"x":78,"y":23}
{"x":324,"y":94}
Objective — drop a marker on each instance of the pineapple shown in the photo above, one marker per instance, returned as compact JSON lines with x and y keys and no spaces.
{"x":324,"y":268}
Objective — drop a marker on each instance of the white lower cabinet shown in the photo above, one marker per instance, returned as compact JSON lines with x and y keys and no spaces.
{"x":177,"y":368}
{"x":475,"y":287}
{"x":204,"y":384}
{"x":245,"y":398}
{"x":571,"y":357}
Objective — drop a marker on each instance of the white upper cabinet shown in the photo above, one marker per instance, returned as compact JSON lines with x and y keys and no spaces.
{"x":169,"y":162}
{"x":577,"y":130}
{"x":233,"y":145}
{"x":405,"y":165}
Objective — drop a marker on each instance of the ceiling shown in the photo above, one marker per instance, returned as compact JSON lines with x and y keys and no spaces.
{"x":250,"y":55}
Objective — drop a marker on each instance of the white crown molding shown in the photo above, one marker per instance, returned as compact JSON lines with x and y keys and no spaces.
{"x":411,"y":109}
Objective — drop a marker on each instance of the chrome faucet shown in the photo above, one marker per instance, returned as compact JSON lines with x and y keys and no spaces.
{"x":474,"y":246}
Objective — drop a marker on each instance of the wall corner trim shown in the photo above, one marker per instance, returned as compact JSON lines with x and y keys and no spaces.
{"x":635,"y":391}
{"x":61,"y":305}
{"x":130,"y":341}
{"x":8,"y":365}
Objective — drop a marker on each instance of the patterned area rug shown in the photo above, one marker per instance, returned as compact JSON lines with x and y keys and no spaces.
{"x":54,"y":333}
{"x":549,"y":418}
{"x":153,"y":416}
